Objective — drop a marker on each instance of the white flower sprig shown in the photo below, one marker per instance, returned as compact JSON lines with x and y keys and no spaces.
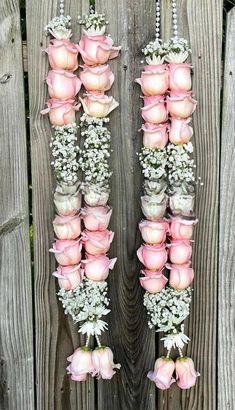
{"x":153,"y":162}
{"x":154,"y":52}
{"x":59,"y":27}
{"x":94,"y":23}
{"x":181,"y":167}
{"x":176,"y":45}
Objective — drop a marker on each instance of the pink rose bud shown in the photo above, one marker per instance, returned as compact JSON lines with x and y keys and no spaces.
{"x":182,"y":204}
{"x":67,"y":227}
{"x":186,"y":374}
{"x":96,"y":218}
{"x":98,"y":105}
{"x":153,"y":232}
{"x":152,"y":257}
{"x":69,"y":277}
{"x":67,"y":205}
{"x":102,"y":359}
{"x":63,"y":55}
{"x":98,"y":49}
{"x":155,"y":136}
{"x":62,"y":85}
{"x":61,"y":112}
{"x":154,"y":207}
{"x":99,"y":78}
{"x":182,"y":228}
{"x":180,"y":77}
{"x":180,"y":252}
{"x":97,"y":243}
{"x":67,"y":252}
{"x":94,"y":196}
{"x":162,"y":375}
{"x":154,"y":110}
{"x":81,"y":364}
{"x":97,"y":267}
{"x":153,"y":283}
{"x":181,"y":276}
{"x":154,"y":79}
{"x":180,"y":131}
{"x":181,"y":105}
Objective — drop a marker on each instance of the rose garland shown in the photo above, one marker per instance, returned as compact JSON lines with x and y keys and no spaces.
{"x":83,"y":289}
{"x":169,"y":182}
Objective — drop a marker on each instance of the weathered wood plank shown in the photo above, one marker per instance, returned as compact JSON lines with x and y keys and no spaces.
{"x":131,"y":25}
{"x":226,"y":299}
{"x":201,"y":23}
{"x":16,"y":342}
{"x":56,"y":337}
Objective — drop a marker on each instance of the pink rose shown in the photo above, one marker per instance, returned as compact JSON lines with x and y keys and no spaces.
{"x":62,"y":55}
{"x":153,"y":232}
{"x":97,"y":267}
{"x":95,"y":196}
{"x":67,"y":252}
{"x":162,"y":375}
{"x":186,"y":374}
{"x":154,"y":110}
{"x":153,"y":283}
{"x":67,"y":227}
{"x":182,"y":204}
{"x":62,"y":85}
{"x":180,"y":252}
{"x":181,"y":105}
{"x":102,"y":359}
{"x":181,"y":276}
{"x":155,"y":136}
{"x":180,"y":77}
{"x":69,"y":277}
{"x":180,"y":131}
{"x":67,"y":205}
{"x":61,"y":112}
{"x":97,"y":243}
{"x":96,"y":218}
{"x":81,"y":364}
{"x":154,"y":79}
{"x":152,"y":257}
{"x":99,"y":78}
{"x":98,"y":105}
{"x":154,"y":206}
{"x":182,"y":228}
{"x":97,"y":49}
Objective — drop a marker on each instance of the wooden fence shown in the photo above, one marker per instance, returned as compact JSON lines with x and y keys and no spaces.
{"x":36,"y":337}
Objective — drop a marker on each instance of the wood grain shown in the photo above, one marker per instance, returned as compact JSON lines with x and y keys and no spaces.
{"x":16,"y":326}
{"x":226,"y":295}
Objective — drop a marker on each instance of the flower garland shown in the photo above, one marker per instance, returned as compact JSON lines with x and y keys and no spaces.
{"x":83,"y":289}
{"x":169,"y":180}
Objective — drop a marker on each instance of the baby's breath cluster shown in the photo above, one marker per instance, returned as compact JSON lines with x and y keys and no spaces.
{"x":93,"y":20}
{"x":154,"y":48}
{"x":65,"y":151}
{"x":177,"y":45}
{"x":60,"y":25}
{"x":153,"y":162}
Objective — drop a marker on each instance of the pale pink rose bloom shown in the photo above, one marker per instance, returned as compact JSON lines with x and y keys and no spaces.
{"x":153,"y":232}
{"x":98,"y":105}
{"x":67,"y":252}
{"x":97,"y":267}
{"x":98,"y":49}
{"x":182,"y":204}
{"x":181,"y":104}
{"x":154,"y":110}
{"x":61,"y":112}
{"x":81,"y":364}
{"x":63,"y":55}
{"x":154,"y":136}
{"x":99,"y":78}
{"x":154,"y":206}
{"x":94,"y":196}
{"x":67,"y":205}
{"x":98,"y":242}
{"x":180,"y":132}
{"x":180,"y":251}
{"x":153,"y":257}
{"x":67,"y":227}
{"x":96,"y":218}
{"x":154,"y":79}
{"x":62,"y":84}
{"x":186,"y":375}
{"x":102,"y":359}
{"x":182,"y":228}
{"x":181,"y":276}
{"x":153,"y":283}
{"x":163,"y":371}
{"x":69,"y":277}
{"x":180,"y":77}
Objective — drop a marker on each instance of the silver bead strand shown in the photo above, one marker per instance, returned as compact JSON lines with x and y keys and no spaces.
{"x":158,"y":18}
{"x":61,"y":7}
{"x":174,"y":19}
